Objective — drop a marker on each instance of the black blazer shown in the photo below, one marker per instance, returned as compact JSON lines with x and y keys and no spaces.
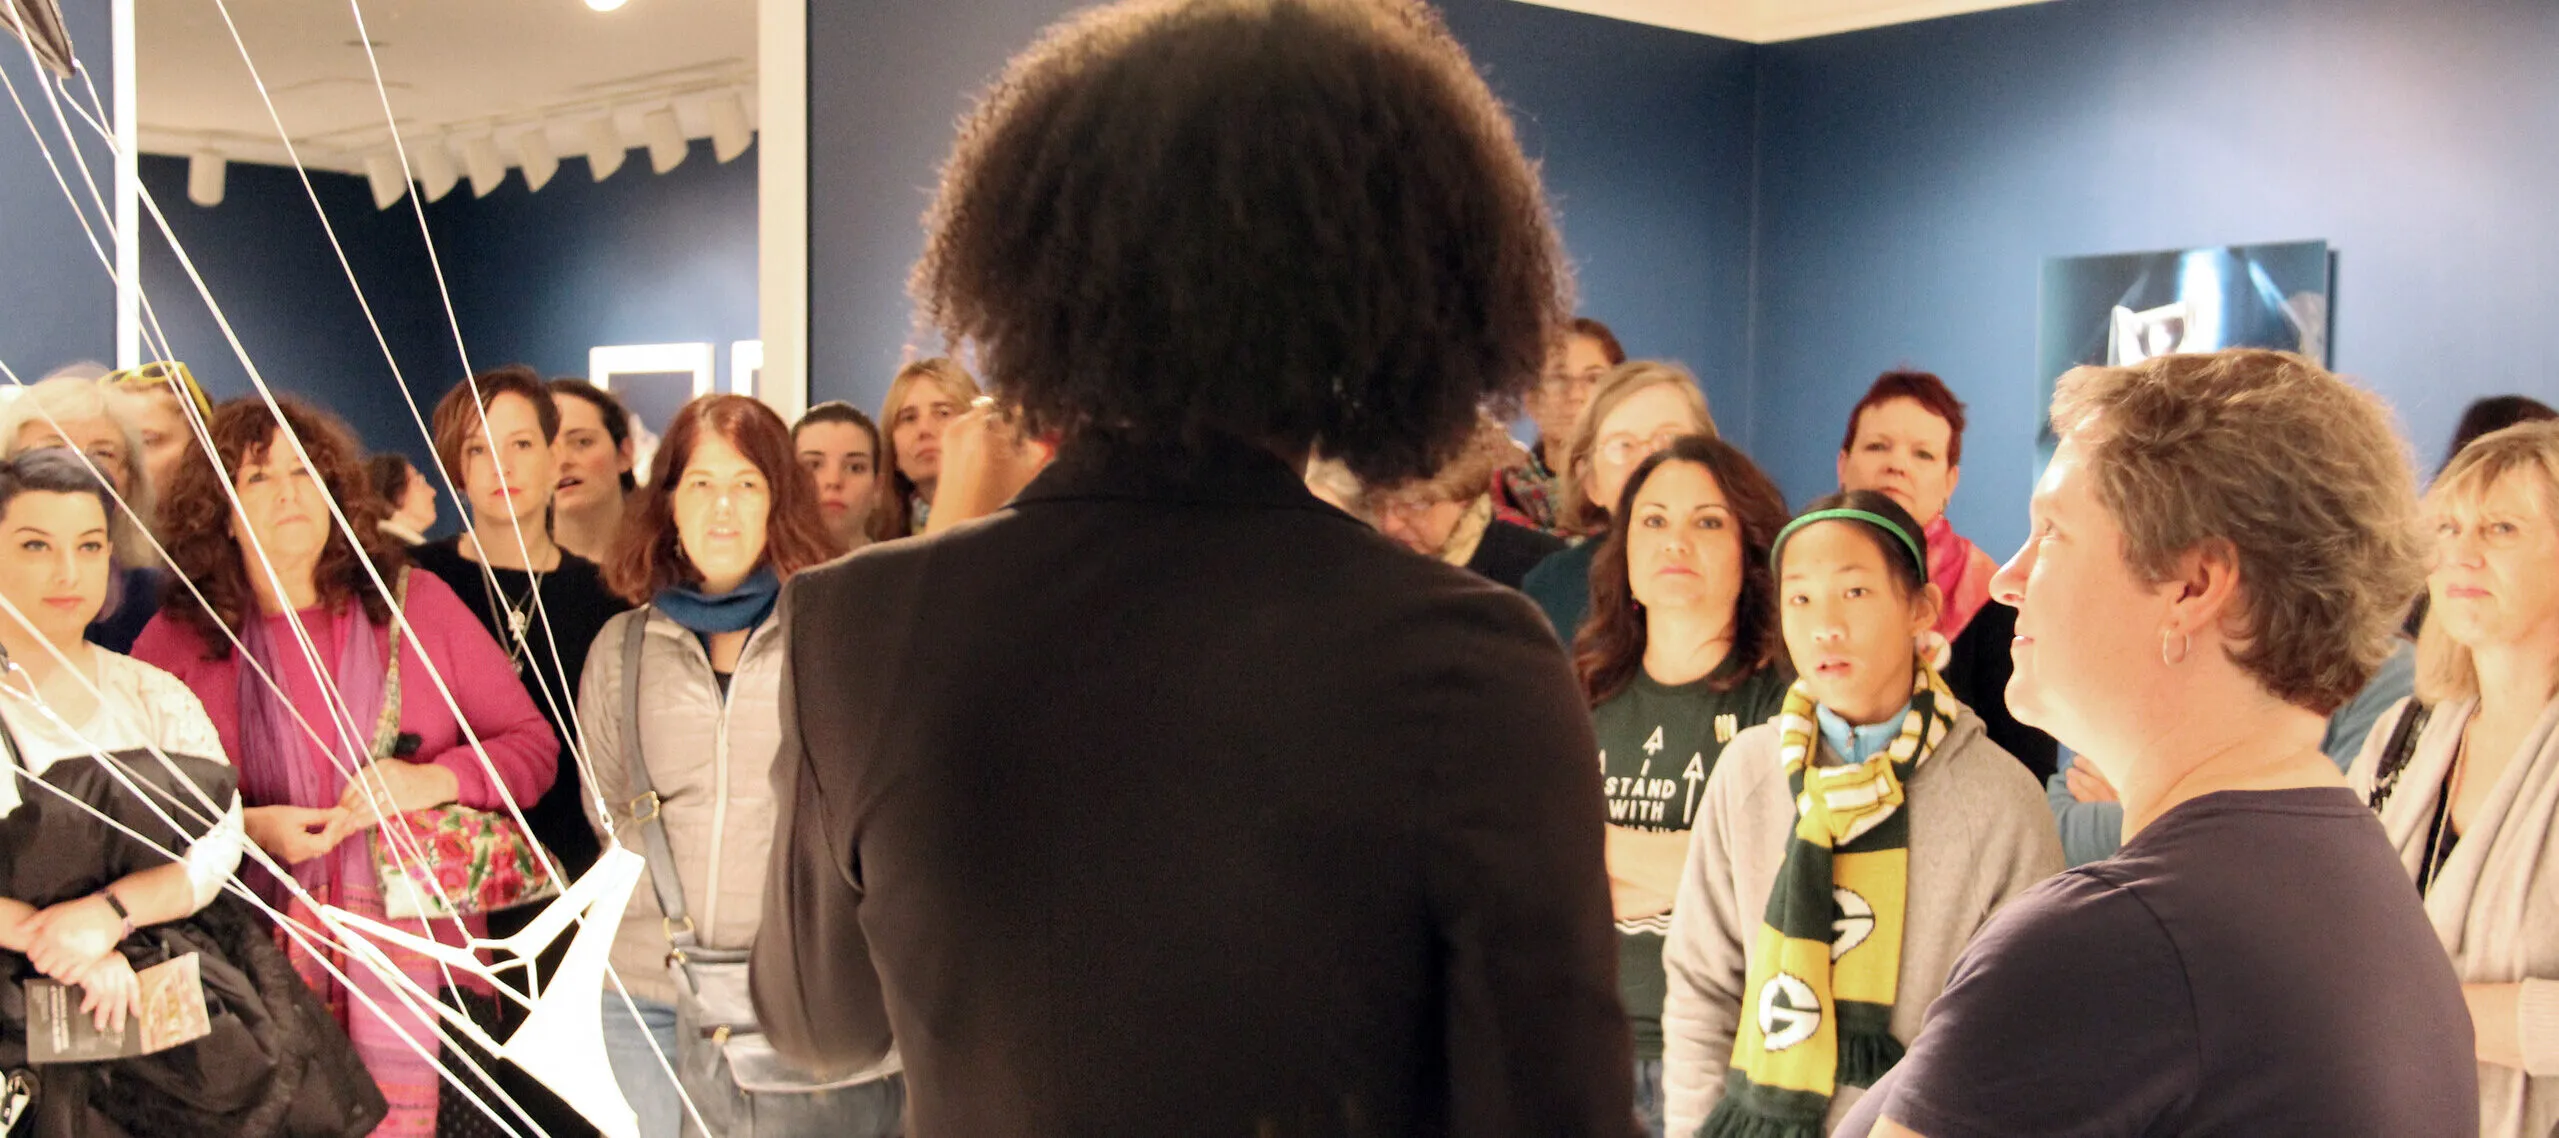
{"x":1171,"y":800}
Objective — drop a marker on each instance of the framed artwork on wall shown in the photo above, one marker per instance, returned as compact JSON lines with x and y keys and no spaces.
{"x":2123,"y":308}
{"x":654,"y":381}
{"x":746,"y":369}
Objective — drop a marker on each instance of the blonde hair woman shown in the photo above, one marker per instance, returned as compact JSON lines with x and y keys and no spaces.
{"x":1637,"y":409}
{"x":75,"y":408}
{"x":2221,"y":548}
{"x":2466,"y":776}
{"x":923,"y":399}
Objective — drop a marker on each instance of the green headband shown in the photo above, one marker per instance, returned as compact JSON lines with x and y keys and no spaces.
{"x":1918,"y":550}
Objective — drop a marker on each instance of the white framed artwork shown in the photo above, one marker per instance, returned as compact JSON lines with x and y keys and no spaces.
{"x":653,"y":380}
{"x":746,"y":369}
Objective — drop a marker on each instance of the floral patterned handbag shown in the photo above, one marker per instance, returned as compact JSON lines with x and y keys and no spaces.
{"x":448,"y":860}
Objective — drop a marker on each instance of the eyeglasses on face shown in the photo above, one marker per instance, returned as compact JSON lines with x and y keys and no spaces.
{"x":1626,"y":449}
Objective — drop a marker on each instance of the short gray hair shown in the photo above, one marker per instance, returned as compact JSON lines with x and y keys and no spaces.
{"x":74,"y":393}
{"x":2299,"y":474}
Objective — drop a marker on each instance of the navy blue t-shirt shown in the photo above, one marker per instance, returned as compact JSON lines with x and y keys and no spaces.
{"x":2252,"y":963}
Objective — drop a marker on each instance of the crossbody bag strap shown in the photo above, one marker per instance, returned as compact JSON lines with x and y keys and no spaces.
{"x":386,"y":728}
{"x":648,"y":811}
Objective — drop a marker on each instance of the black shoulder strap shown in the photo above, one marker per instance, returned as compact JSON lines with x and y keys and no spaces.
{"x":651,"y":813}
{"x":2395,"y":754}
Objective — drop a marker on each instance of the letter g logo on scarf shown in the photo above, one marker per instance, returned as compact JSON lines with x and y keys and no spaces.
{"x":1789,"y":1013}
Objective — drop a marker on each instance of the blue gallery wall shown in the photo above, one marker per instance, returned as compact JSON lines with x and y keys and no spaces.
{"x":270,"y":267}
{"x":1914,"y":178}
{"x":638,"y":258}
{"x":57,"y":303}
{"x":1643,"y":133}
{"x":536,"y":278}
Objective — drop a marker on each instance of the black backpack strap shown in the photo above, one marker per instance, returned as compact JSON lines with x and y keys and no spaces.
{"x":2396,"y":753}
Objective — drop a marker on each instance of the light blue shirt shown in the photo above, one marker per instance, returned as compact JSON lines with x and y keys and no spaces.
{"x":1855,"y":743}
{"x":2092,"y":830}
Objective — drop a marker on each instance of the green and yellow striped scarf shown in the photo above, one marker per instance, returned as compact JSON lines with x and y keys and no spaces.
{"x":1817,"y":1009}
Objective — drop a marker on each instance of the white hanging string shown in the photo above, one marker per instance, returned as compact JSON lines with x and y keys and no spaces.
{"x":435,"y":264}
{"x":301,"y":635}
{"x":151,"y":801}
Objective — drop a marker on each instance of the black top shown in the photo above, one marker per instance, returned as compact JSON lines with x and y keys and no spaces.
{"x":575,"y":604}
{"x":1658,"y":743}
{"x":116,"y":629}
{"x":1508,"y":552}
{"x":1171,"y":800}
{"x":2252,"y":963}
{"x":1977,"y":670}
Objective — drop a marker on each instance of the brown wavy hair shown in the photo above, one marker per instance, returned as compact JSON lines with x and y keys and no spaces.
{"x":646,"y":556}
{"x":195,"y":520}
{"x":1609,"y":649}
{"x":1303,"y":224}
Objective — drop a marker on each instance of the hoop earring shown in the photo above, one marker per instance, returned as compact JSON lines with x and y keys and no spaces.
{"x":2185,"y":647}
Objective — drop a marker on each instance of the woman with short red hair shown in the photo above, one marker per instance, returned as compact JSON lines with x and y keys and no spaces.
{"x":1906,"y":441}
{"x":727,"y":516}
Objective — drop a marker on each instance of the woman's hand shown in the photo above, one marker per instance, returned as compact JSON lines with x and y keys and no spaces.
{"x":1643,"y":870}
{"x":985,"y":462}
{"x":64,"y":939}
{"x":109,"y":992}
{"x":14,"y":915}
{"x":295,"y":834}
{"x":2086,"y":784}
{"x":392,"y":787}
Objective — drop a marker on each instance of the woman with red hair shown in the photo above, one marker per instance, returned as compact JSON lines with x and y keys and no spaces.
{"x":725,"y":518}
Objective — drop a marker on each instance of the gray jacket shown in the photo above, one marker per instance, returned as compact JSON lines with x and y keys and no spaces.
{"x":711,"y":762}
{"x":1979,"y":835}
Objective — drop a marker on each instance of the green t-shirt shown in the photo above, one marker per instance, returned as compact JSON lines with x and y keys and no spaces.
{"x":1657,"y":744}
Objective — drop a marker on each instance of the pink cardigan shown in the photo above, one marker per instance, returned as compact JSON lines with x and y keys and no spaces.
{"x":520,"y":744}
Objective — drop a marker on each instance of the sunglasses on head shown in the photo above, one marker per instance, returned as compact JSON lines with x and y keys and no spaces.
{"x":158,"y":374}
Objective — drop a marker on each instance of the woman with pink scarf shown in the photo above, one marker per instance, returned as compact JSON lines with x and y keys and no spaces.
{"x":1906,"y":441}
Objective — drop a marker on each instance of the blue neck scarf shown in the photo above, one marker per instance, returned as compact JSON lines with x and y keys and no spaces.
{"x":737,"y":610}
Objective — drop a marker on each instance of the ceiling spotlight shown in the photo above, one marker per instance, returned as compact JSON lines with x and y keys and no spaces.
{"x":487,"y":166}
{"x":604,"y":147}
{"x":206,"y":170}
{"x":666,"y":139}
{"x":604,"y":5}
{"x":729,"y":132}
{"x":434,"y":162}
{"x":382,"y":168}
{"x":533,"y":153}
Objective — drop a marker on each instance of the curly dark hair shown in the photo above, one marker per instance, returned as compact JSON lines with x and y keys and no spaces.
{"x":195,"y":520}
{"x":1610,"y":646}
{"x":1298,"y":223}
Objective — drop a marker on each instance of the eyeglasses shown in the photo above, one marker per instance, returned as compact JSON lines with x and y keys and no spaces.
{"x":1559,"y":383}
{"x":158,"y":374}
{"x":1404,"y":507}
{"x":1624,"y":449}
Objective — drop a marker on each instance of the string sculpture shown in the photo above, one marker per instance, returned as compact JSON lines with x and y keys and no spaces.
{"x":560,"y":1039}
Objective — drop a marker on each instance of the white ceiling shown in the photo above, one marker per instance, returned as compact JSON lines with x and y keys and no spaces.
{"x":454,"y":70}
{"x":1769,"y":21}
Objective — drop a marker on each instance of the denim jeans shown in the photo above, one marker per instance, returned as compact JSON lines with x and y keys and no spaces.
{"x":1648,"y":1095}
{"x":645,"y":1082}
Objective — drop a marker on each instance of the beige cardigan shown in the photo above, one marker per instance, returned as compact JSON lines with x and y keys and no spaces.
{"x":1981,"y":833}
{"x":2495,"y":903}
